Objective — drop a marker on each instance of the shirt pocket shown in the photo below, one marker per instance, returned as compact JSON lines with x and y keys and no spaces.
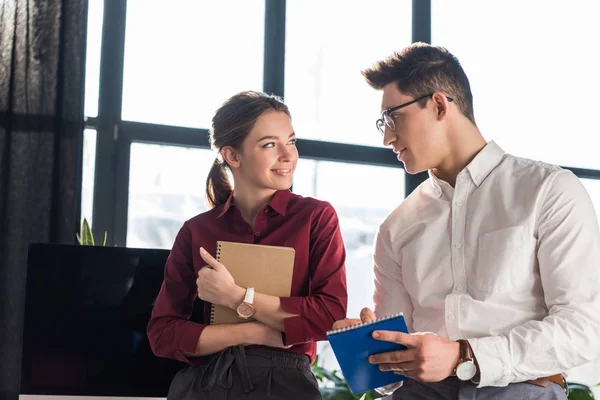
{"x":501,"y":265}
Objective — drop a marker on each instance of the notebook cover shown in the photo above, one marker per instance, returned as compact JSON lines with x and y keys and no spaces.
{"x":268,"y":269}
{"x":353,"y":346}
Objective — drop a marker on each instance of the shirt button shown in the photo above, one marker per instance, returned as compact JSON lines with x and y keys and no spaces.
{"x":256,"y":233}
{"x":457,"y":203}
{"x":457,"y":245}
{"x":266,"y":210}
{"x":450,"y":317}
{"x":459,"y":288}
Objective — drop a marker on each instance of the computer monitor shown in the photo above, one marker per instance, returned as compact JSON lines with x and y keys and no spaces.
{"x":86,"y":311}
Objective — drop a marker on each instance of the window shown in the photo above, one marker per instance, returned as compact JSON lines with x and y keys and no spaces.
{"x":92,"y":57}
{"x":533,"y":72}
{"x":328,"y":43}
{"x":588,"y":373}
{"x":363,"y":197}
{"x":87,"y":176}
{"x":182,"y":62}
{"x":593,"y":188}
{"x":166,"y":188}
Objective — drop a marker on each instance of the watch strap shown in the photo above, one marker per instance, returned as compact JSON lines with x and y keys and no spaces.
{"x":249,"y":298}
{"x":466,"y":354}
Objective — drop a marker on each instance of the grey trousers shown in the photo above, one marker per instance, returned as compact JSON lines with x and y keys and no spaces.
{"x":237,"y":373}
{"x":454,"y":389}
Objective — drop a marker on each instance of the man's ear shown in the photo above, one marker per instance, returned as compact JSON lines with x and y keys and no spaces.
{"x":230,"y":156}
{"x":441,"y":104}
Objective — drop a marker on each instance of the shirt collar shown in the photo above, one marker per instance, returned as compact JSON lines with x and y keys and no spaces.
{"x":484,"y":162}
{"x":439,"y":186}
{"x":279,"y":202}
{"x":479,"y":168}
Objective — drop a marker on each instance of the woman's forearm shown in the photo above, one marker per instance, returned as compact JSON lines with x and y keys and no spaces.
{"x":215,"y":338}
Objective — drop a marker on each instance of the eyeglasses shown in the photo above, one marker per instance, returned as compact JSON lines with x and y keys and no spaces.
{"x":386,"y":115}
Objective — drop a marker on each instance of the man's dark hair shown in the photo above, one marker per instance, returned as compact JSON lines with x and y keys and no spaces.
{"x":420,"y":69}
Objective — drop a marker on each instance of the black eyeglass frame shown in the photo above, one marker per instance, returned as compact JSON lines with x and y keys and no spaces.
{"x":386,"y":118}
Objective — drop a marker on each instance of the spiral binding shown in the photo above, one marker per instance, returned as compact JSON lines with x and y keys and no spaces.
{"x":364,"y":324}
{"x":212,"y":306}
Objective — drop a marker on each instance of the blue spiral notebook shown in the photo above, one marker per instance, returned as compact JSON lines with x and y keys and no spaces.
{"x":353,"y":346}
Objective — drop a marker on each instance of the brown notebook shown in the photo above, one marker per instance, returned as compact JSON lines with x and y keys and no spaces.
{"x":268,"y":269}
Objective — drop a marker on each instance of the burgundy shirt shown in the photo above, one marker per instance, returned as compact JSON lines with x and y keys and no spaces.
{"x":318,"y":294}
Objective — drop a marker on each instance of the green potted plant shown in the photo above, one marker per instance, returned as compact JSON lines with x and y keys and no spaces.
{"x":86,"y":237}
{"x":578,"y":391}
{"x":333,"y":386}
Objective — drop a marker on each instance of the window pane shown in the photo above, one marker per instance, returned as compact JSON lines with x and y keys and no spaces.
{"x":363,"y":197}
{"x":533,"y":78}
{"x":593,"y":188}
{"x":87,"y":175}
{"x":162,"y":196}
{"x":588,"y":373}
{"x":182,"y":62}
{"x":92,"y":56}
{"x":328,"y":43}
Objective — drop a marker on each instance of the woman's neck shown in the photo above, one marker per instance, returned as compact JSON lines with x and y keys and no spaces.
{"x":251,"y":201}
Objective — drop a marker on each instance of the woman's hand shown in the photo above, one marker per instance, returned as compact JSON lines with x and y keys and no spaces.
{"x":366,"y":315}
{"x":216,"y":285}
{"x":258,"y":333}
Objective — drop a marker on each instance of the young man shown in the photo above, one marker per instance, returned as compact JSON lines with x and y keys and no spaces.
{"x":494,"y":260}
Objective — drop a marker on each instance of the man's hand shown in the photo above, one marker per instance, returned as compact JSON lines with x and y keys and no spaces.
{"x":428,"y":357}
{"x":216,"y":285}
{"x":366,"y":315}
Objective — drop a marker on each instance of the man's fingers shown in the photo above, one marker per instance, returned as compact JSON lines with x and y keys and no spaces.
{"x":399,"y":368}
{"x":366,"y":315}
{"x":210,"y":260}
{"x":345,"y":323}
{"x":398,"y":337}
{"x":400,"y":356}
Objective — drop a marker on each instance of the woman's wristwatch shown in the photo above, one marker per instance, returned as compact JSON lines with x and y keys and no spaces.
{"x":246,"y":309}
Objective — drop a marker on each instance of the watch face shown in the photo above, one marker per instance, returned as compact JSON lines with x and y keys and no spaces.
{"x":466,"y":370}
{"x":245,"y":310}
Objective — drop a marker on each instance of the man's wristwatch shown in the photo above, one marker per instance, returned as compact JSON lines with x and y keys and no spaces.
{"x":466,"y":368}
{"x":245,"y":309}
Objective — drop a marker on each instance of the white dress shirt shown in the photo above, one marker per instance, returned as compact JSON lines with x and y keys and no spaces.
{"x":509,"y":259}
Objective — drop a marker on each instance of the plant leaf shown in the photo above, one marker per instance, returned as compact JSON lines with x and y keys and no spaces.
{"x":578,"y":391}
{"x":104,"y":240}
{"x":86,"y":234}
{"x":329,"y":375}
{"x":78,"y":238}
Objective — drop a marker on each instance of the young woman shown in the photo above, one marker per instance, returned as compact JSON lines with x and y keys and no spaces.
{"x":269,"y":357}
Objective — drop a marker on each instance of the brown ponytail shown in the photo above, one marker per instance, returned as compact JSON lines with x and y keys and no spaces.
{"x":218,"y":187}
{"x":232,"y":122}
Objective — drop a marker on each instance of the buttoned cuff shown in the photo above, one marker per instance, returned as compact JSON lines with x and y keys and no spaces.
{"x":492,"y":357}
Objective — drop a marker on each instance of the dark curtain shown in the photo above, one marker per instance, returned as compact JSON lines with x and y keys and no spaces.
{"x":42,"y":53}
